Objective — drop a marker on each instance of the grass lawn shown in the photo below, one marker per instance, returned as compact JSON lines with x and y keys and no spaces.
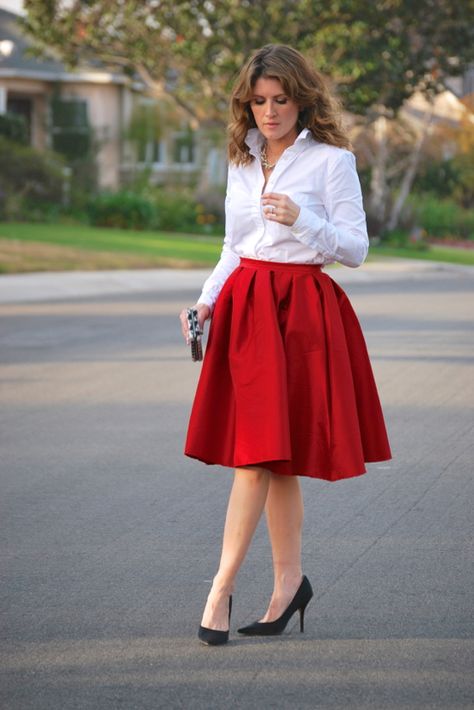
{"x":58,"y":247}
{"x":453,"y":255}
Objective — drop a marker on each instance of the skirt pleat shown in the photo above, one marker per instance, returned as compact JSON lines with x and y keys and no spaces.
{"x":286,"y":382}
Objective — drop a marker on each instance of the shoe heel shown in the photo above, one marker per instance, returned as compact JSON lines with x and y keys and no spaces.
{"x":272,"y":628}
{"x":302,"y":610}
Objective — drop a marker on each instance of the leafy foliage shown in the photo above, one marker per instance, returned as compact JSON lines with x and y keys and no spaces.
{"x":438,"y":178}
{"x":443,"y":218}
{"x":14,"y":127}
{"x":124,"y":210}
{"x":154,"y":208}
{"x":377,"y":53}
{"x":31,"y":182}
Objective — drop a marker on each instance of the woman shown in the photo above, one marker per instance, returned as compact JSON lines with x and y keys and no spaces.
{"x":286,"y":388}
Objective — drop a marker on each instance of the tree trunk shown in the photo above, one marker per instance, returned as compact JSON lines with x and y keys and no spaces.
{"x":378,"y":180}
{"x":410,"y":173}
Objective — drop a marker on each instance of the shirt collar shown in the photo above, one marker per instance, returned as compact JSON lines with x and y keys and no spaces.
{"x":254,"y":139}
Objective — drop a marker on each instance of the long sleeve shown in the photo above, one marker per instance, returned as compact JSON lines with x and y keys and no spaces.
{"x":228,"y":261}
{"x":343,"y":236}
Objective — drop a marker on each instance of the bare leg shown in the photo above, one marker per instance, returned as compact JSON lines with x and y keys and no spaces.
{"x":284,"y":514}
{"x":245,"y":507}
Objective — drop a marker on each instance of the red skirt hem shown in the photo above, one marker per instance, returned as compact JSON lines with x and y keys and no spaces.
{"x":278,"y":467}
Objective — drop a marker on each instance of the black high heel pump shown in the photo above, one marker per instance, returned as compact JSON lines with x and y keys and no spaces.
{"x":273,"y":628}
{"x":214,"y":637}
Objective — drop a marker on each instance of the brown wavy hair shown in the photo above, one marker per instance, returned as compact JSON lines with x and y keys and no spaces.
{"x":320,"y":111}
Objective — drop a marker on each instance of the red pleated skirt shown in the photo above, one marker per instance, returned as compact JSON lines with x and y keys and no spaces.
{"x":286,"y":382}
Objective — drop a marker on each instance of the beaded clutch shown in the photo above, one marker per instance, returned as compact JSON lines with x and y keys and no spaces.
{"x":195,"y":334}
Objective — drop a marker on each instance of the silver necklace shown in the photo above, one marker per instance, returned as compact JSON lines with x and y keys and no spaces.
{"x":264,"y":159}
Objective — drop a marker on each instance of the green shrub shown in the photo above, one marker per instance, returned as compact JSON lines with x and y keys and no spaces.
{"x":443,"y":218}
{"x":31,"y":182}
{"x":414,"y":239}
{"x":156,"y":208}
{"x":438,"y":178}
{"x":14,"y":127}
{"x":176,"y":210}
{"x":180,"y":210}
{"x":124,"y":210}
{"x":449,"y":179}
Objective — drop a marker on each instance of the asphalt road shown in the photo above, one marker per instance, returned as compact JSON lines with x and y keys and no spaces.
{"x":110,"y":536}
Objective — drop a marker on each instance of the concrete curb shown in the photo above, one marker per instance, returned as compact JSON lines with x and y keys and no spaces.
{"x":46,"y":286}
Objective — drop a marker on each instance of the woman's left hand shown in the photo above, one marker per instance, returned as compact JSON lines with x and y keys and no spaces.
{"x":279,"y":208}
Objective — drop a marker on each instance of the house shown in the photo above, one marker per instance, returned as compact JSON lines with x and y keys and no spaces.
{"x":445,"y":113}
{"x":63,"y":107}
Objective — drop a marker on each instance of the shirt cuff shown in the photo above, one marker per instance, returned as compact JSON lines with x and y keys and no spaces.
{"x":305,"y":229}
{"x":207,"y":300}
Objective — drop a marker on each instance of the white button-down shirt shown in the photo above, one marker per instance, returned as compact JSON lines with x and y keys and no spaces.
{"x":331,"y":226}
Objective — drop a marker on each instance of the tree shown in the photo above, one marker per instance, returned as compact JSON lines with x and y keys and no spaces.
{"x":377,"y":54}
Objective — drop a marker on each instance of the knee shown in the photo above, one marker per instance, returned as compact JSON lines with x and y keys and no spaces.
{"x":277,"y":479}
{"x":255,"y":475}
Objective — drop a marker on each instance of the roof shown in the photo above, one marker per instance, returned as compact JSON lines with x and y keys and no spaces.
{"x":445,"y":109}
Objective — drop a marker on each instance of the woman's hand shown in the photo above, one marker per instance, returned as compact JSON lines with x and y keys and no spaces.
{"x":279,"y":208}
{"x":204,"y":312}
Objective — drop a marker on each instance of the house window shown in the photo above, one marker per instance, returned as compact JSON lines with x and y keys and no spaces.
{"x":151,"y":151}
{"x":145,"y":132}
{"x":21,"y":107}
{"x":184,"y":148}
{"x":71,"y":132}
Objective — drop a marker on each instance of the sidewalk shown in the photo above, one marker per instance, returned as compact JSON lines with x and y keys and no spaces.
{"x":25,"y":288}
